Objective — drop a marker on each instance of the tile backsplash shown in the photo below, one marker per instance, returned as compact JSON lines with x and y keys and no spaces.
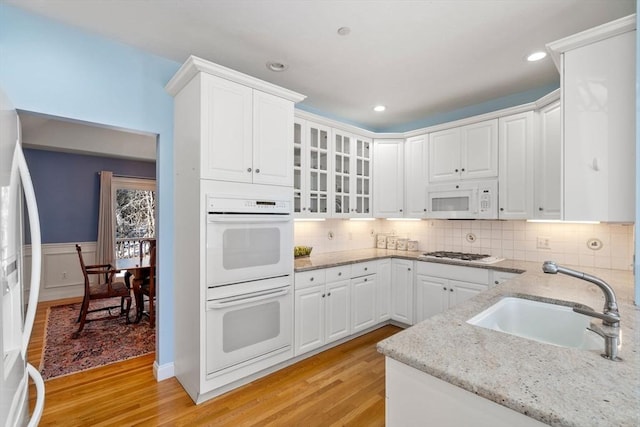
{"x":584,"y":245}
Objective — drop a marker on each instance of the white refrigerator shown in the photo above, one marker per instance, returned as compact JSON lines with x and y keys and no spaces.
{"x":17,"y":314}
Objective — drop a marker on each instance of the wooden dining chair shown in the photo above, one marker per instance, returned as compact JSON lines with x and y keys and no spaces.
{"x":105,"y":288}
{"x":146,"y":286}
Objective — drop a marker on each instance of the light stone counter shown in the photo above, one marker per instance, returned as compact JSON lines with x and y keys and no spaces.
{"x":555,"y":385}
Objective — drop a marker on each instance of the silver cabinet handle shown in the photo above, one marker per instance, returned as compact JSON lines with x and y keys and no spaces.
{"x":248,"y":169}
{"x":257,"y":170}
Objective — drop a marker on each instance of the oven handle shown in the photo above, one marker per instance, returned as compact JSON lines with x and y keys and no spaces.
{"x":248,"y":219}
{"x":245,"y":299}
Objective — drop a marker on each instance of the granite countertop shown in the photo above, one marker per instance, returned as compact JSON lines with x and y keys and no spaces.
{"x":335,"y":259}
{"x":555,"y":385}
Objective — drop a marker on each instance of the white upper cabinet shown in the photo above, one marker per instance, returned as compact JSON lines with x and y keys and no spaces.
{"x":465,"y":152}
{"x":272,"y":133}
{"x":598,"y":98}
{"x":235,"y":127}
{"x":416,"y":176}
{"x":311,"y":169}
{"x":388,"y":178}
{"x":515,"y":179}
{"x":547,"y":165}
{"x":227,"y":131}
{"x":243,"y":134}
{"x":351,"y":175}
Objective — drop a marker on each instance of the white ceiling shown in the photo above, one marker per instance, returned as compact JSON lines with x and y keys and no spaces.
{"x":418,"y":58}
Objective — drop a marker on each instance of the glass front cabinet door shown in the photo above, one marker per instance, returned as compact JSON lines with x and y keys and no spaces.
{"x":311,"y":169}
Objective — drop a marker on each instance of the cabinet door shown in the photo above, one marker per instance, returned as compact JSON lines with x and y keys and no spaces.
{"x":402,"y":291}
{"x":444,"y":155}
{"x":547,"y":165}
{"x":272,"y":133}
{"x":299,"y":166}
{"x":388,"y":178}
{"x":383,"y":290}
{"x":363,"y":303}
{"x":309,"y":319}
{"x":459,"y":292}
{"x":416,"y":176}
{"x":227,"y":128}
{"x":342,"y":153}
{"x":337,"y":311}
{"x":599,"y":130}
{"x":516,"y":166}
{"x":361,"y":203}
{"x":431,"y":296}
{"x":318,"y":170}
{"x":479,"y":150}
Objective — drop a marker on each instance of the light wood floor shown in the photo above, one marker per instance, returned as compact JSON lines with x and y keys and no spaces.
{"x":343,"y":386}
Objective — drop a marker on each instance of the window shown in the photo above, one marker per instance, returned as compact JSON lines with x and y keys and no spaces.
{"x":134,"y":201}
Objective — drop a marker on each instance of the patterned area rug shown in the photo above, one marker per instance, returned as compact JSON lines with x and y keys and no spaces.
{"x":100,"y":343}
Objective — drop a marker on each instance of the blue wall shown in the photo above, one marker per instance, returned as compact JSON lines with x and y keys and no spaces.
{"x":50,"y":68}
{"x":67,"y":188}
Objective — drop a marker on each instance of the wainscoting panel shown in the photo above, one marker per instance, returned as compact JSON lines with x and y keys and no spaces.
{"x":61,"y":276}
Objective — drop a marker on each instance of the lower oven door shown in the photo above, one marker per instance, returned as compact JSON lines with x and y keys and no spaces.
{"x":248,"y":247}
{"x":248,"y":321}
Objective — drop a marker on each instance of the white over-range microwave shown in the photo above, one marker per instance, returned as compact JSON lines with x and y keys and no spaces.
{"x":463,"y":200}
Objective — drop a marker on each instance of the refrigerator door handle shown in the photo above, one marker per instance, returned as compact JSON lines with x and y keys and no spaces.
{"x":39,"y":383}
{"x":36,"y":249}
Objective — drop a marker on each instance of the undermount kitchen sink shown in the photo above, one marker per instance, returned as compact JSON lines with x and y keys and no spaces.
{"x":539,"y":321}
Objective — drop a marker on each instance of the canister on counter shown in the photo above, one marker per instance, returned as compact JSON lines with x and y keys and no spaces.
{"x":402,"y":244}
{"x":381,"y":241}
{"x":412,"y":245}
{"x":392,"y":242}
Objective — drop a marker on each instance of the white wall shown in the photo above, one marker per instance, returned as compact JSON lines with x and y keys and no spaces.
{"x":510,"y":239}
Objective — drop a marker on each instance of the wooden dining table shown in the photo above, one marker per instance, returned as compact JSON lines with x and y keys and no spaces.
{"x":139,"y":269}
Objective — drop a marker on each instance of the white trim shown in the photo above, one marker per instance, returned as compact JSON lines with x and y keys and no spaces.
{"x":592,"y":35}
{"x":545,"y":100}
{"x":163,"y":372}
{"x":194,"y":65}
{"x":60,"y":276}
{"x":305,"y":115}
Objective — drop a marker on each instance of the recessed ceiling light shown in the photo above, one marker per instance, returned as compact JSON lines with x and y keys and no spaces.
{"x":343,"y":31}
{"x":276,"y":66}
{"x":536,"y":56}
{"x":379,"y":108}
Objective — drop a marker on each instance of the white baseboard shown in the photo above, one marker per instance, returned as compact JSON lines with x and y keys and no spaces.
{"x":163,"y":372}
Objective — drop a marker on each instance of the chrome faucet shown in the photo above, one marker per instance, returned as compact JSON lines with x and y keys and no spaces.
{"x":610,"y":316}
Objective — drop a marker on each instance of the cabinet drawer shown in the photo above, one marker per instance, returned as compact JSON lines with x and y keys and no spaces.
{"x":336,"y":274}
{"x":364,"y":268}
{"x":307,"y":279}
{"x":454,"y":272}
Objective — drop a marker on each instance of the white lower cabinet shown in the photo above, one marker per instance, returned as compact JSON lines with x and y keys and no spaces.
{"x":402,"y":273}
{"x":322,"y":308}
{"x":363,"y":296}
{"x":413,"y":396}
{"x":441,"y":286}
{"x":383,"y":290}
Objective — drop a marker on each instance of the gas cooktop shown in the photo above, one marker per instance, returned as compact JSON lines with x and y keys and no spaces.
{"x":461,"y":256}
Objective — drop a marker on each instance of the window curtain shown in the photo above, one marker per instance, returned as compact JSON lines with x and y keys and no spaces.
{"x":105,"y":246}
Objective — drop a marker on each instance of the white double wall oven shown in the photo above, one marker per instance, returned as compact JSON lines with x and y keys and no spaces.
{"x":249,"y":275}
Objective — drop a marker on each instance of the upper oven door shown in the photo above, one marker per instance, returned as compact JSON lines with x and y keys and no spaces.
{"x":242,"y":247}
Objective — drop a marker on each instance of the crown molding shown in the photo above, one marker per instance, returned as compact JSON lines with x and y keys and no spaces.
{"x":592,"y":35}
{"x":194,"y":65}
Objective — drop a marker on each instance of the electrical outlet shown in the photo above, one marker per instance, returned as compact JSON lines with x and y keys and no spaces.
{"x":544,"y":243}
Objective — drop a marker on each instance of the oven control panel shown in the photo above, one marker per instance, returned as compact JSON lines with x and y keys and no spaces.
{"x":224,"y":205}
